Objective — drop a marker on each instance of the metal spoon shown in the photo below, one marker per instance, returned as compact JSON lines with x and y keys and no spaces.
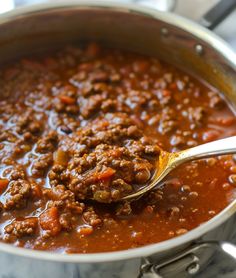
{"x":169,"y":161}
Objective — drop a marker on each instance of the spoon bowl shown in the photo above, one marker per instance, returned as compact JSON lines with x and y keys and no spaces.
{"x":169,"y":161}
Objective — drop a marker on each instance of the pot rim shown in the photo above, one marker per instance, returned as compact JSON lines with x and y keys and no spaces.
{"x":199,"y":32}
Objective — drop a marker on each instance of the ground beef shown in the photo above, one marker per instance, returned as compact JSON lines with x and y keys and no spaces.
{"x":83,"y":127}
{"x":91,"y":105}
{"x":68,"y":221}
{"x":17,"y":194}
{"x":63,"y":211}
{"x":215,"y":100}
{"x":196,"y":115}
{"x":64,"y":199}
{"x":47,"y":143}
{"x":124,"y":209}
{"x":57,"y":175}
{"x":91,"y":217}
{"x":41,"y":165}
{"x":167,"y":122}
{"x":20,"y":228}
{"x":114,"y":158}
{"x":18,"y":172}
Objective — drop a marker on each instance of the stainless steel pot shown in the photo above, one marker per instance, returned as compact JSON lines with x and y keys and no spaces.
{"x":170,"y":37}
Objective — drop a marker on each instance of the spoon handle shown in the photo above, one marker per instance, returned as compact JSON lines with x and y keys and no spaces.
{"x":219,"y":147}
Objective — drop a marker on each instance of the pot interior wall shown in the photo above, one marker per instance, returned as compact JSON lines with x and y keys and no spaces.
{"x":122,"y":28}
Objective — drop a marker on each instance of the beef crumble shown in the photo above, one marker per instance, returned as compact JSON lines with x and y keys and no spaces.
{"x":83,"y":127}
{"x":105,"y":159}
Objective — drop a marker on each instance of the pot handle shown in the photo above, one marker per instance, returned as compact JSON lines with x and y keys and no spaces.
{"x":217,"y":14}
{"x":210,"y":20}
{"x":186,"y":263}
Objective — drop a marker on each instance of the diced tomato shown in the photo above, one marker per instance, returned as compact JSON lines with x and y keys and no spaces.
{"x":61,"y":157}
{"x":3,"y":184}
{"x":49,"y":221}
{"x":36,"y":190}
{"x":86,"y":230}
{"x":166,"y":93}
{"x":173,"y":86}
{"x":141,"y":66}
{"x":106,"y":174}
{"x":67,"y":100}
{"x":114,"y":153}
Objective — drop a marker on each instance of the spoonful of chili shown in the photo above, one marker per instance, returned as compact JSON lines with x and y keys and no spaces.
{"x":169,"y":161}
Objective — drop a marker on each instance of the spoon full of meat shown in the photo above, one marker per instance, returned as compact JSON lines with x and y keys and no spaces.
{"x":169,"y":161}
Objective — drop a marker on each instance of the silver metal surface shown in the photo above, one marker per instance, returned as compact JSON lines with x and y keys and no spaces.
{"x":37,"y":28}
{"x":161,"y":5}
{"x":187,"y":263}
{"x":169,"y":161}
